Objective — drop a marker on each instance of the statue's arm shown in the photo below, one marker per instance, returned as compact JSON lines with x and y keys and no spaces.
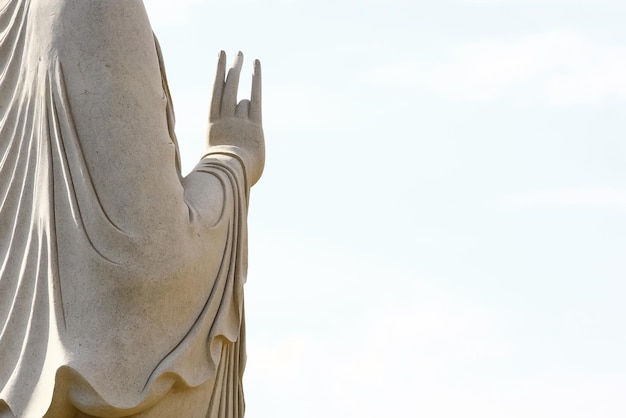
{"x":235,"y":138}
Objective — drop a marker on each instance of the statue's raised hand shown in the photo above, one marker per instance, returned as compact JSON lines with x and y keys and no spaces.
{"x":238,"y":124}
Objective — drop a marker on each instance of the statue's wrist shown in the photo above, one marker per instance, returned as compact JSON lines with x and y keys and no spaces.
{"x":252,"y":163}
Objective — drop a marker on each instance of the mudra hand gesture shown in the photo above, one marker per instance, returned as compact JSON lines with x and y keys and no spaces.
{"x":238,"y":124}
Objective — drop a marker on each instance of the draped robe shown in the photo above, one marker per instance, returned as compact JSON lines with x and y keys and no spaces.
{"x":120,"y":281}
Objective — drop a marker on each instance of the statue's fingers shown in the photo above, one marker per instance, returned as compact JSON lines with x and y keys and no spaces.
{"x":243,"y":109}
{"x":218,"y":88}
{"x":229,"y":99}
{"x":255,"y":96}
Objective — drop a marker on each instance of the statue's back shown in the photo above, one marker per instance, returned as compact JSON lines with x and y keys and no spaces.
{"x":112,"y":294}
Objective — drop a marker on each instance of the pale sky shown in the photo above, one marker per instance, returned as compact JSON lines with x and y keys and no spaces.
{"x":440,"y":231}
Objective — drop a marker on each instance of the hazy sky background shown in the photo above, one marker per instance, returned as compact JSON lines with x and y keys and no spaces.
{"x":440,"y":231}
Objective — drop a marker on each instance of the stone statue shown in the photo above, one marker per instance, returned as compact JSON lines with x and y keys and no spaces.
{"x":121,"y":282}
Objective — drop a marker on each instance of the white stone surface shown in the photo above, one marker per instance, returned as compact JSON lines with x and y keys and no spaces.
{"x":121,"y":283}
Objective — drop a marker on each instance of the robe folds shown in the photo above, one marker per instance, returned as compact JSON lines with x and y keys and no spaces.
{"x":120,"y":281}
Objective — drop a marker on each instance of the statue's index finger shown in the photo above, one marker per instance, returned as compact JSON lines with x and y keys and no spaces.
{"x":218,"y":88}
{"x":229,"y":97}
{"x":255,"y":96}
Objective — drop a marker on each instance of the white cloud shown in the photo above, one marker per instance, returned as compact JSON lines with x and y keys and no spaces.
{"x":438,"y":356}
{"x":300,"y":107}
{"x":549,"y":2}
{"x":601,"y":197}
{"x":376,"y":371}
{"x":357,"y":336}
{"x":334,"y":333}
{"x":557,"y":68}
{"x":168,"y":13}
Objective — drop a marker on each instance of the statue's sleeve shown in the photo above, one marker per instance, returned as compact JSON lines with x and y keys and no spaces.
{"x":217,"y":192}
{"x":204,"y":187}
